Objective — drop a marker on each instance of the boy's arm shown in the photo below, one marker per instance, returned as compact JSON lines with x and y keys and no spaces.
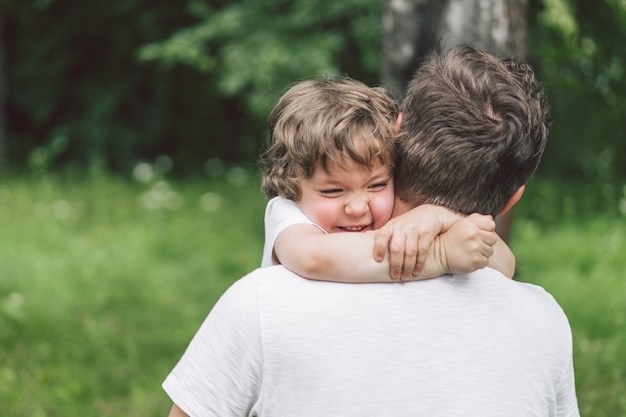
{"x":409,"y":236}
{"x":457,"y":252}
{"x":454,"y":248}
{"x":346,"y":257}
{"x":342,"y":257}
{"x":503,"y":258}
{"x":468,"y":245}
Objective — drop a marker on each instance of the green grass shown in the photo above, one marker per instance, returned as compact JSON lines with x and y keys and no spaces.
{"x":104,"y":280}
{"x":584,"y":266}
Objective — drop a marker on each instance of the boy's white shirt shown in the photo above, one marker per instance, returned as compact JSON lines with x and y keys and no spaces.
{"x":280,"y":213}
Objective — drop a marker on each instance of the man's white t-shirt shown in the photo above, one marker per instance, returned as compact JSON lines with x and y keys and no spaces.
{"x":280,"y":213}
{"x":460,"y":345}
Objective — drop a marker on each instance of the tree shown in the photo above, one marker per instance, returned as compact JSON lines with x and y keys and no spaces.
{"x":75,"y":93}
{"x":109,"y":83}
{"x":251,"y":50}
{"x":578,"y":45}
{"x":412,"y":28}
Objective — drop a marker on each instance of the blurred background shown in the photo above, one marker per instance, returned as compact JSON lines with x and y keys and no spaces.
{"x":129,"y":193}
{"x":112,"y":83}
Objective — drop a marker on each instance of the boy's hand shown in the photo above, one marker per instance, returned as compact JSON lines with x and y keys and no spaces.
{"x":409,"y":236}
{"x":468,"y":244}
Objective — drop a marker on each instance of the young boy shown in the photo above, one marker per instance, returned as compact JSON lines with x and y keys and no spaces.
{"x":329,"y":169}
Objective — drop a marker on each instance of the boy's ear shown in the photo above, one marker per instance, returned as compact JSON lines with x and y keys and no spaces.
{"x":398,"y":124}
{"x":514,"y":199}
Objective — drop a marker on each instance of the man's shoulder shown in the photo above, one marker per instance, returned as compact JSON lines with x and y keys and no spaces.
{"x":277,"y":280}
{"x":276,"y":275}
{"x":495,"y":276}
{"x":275,"y":272}
{"x":520,"y":293}
{"x":244,"y":295}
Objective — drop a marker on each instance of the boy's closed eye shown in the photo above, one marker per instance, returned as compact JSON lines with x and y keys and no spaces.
{"x":378,"y":186}
{"x":331,"y":192}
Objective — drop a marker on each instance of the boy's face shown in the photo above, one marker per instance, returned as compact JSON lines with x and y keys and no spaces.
{"x":348,"y":198}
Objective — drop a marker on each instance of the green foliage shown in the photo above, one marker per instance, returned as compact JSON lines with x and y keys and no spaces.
{"x":77,"y":95}
{"x":572,"y":201}
{"x":72,"y":80}
{"x":116,"y":82}
{"x":112,"y":83}
{"x":576,"y":46}
{"x":254,"y":49}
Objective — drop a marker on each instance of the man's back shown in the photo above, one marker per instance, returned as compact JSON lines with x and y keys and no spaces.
{"x":479,"y":344}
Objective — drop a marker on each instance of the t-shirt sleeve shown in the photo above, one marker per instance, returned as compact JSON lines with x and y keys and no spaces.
{"x":567,"y":403}
{"x":280,"y":213}
{"x":220,"y":373}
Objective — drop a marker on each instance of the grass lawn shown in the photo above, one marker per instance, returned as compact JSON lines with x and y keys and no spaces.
{"x":583,"y":265}
{"x":104,"y":280}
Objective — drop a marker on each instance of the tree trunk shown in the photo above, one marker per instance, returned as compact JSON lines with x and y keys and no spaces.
{"x":412,"y":28}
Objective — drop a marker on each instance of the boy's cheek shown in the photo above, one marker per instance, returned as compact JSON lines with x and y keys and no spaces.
{"x":319,"y":211}
{"x":382,"y":208}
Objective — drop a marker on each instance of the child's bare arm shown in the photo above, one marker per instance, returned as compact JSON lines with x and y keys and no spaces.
{"x":463,"y":255}
{"x":346,"y":257}
{"x":408,"y":237}
{"x":342,"y":257}
{"x":466,"y":243}
{"x":502,"y":259}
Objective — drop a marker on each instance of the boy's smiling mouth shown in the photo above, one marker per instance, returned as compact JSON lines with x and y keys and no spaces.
{"x":354,"y":228}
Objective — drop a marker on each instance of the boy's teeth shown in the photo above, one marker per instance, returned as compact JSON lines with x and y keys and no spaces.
{"x":354,"y":228}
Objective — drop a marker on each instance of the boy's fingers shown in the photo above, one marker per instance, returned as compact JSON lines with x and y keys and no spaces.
{"x":410,"y":258}
{"x":381,"y":241}
{"x":422,"y":252}
{"x":486,"y":250}
{"x":488,"y":230}
{"x":396,"y":257}
{"x":489,"y":243}
{"x":485,"y":222}
{"x":489,"y":252}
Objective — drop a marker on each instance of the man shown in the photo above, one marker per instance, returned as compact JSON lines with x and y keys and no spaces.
{"x":472,"y":132}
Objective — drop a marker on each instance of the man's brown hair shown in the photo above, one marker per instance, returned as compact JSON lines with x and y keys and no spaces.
{"x":319,"y":123}
{"x":474,"y":129}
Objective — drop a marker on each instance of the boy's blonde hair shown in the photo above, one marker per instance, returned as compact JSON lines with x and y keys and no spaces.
{"x":319,"y":123}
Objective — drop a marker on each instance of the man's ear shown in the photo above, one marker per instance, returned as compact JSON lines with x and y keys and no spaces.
{"x":514,"y":199}
{"x":398,"y":124}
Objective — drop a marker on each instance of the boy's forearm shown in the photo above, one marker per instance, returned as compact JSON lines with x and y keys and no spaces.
{"x":466,"y":246}
{"x":348,"y":257}
{"x":502,"y":259}
{"x":469,"y":245}
{"x":409,"y":236}
{"x":340,"y":257}
{"x":436,"y":263}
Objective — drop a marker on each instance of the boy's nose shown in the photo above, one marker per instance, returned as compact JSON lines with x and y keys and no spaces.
{"x":358,"y":205}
